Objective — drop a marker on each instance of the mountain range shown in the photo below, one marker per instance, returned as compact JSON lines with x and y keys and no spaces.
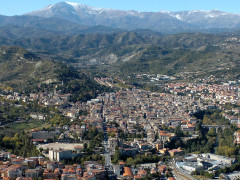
{"x":128,"y":52}
{"x":33,"y":26}
{"x":66,"y":18}
{"x":163,"y":21}
{"x":86,"y":37}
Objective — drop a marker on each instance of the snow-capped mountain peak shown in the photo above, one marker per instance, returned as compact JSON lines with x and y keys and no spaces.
{"x":87,"y":15}
{"x":75,"y":5}
{"x":89,"y":9}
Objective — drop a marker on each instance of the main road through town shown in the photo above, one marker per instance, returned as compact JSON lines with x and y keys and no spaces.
{"x":107,"y":155}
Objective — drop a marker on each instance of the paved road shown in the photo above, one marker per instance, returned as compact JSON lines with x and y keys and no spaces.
{"x":105,"y":143}
{"x":107,"y":155}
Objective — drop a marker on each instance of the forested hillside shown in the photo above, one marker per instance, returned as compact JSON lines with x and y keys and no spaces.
{"x":26,"y":72}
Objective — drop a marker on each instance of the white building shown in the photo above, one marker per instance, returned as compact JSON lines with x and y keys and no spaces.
{"x":58,"y":155}
{"x":190,"y":166}
{"x":222,"y":159}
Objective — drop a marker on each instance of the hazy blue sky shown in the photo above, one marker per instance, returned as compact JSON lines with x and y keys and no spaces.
{"x":18,"y":7}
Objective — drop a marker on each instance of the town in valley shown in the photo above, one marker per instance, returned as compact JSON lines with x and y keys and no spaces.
{"x":119,"y":90}
{"x":129,"y":133}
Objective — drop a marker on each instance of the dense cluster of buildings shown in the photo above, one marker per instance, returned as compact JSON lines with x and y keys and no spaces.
{"x":30,"y":168}
{"x":216,"y":93}
{"x":136,"y":122}
{"x":149,"y":111}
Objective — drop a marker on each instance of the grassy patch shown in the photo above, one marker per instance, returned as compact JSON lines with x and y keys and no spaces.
{"x":200,"y":177}
{"x":28,"y":125}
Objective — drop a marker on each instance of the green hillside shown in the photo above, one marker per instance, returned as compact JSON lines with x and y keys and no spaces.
{"x":25,"y":72}
{"x":142,"y":52}
{"x":198,"y":55}
{"x":21,"y":69}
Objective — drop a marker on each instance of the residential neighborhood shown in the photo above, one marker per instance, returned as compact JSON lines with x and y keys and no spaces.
{"x":132,"y":124}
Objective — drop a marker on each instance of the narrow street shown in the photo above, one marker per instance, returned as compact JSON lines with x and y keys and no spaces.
{"x":105,"y":143}
{"x":107,"y":155}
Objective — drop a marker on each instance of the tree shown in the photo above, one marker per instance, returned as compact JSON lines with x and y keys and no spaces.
{"x":178,"y":131}
{"x":41,"y":149}
{"x":85,"y":146}
{"x":129,"y":161}
{"x":212,"y":132}
{"x":116,"y":156}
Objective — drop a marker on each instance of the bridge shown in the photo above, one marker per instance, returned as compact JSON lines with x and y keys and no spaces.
{"x":214,"y":126}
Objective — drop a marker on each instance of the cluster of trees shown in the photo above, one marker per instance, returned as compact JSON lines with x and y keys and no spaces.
{"x":10,"y":113}
{"x":117,"y":156}
{"x":139,"y":134}
{"x":81,"y":86}
{"x":54,"y":117}
{"x":80,"y":160}
{"x":59,"y":119}
{"x":125,"y":136}
{"x":20,"y":144}
{"x":94,"y":138}
{"x":226,"y":145}
{"x":212,"y":117}
{"x":219,"y":141}
{"x":35,"y":107}
{"x":204,"y":173}
{"x":140,"y":159}
{"x":205,"y":143}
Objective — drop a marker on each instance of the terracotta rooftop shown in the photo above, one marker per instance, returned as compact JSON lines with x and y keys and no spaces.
{"x":138,"y":176}
{"x":128,"y":172}
{"x":171,"y":178}
{"x":162,"y":167}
